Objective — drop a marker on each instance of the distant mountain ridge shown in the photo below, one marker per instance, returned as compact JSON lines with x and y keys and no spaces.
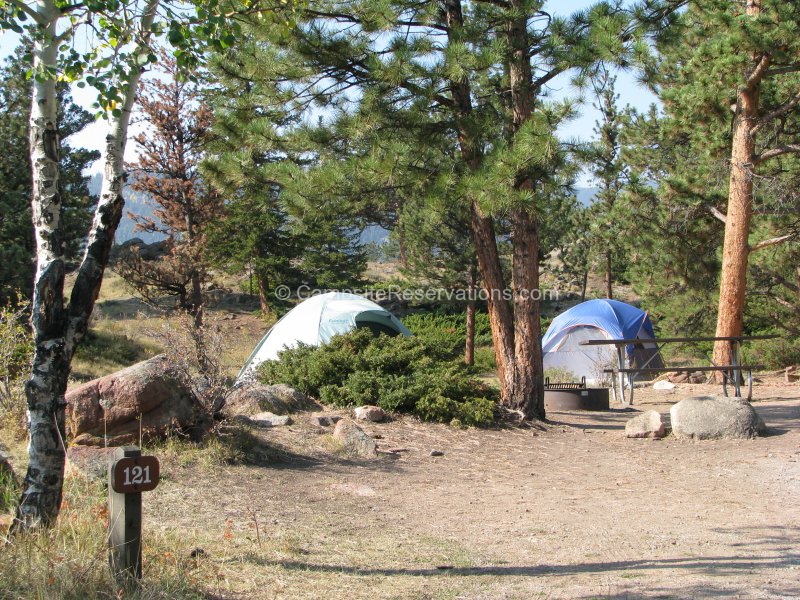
{"x":137,"y":204}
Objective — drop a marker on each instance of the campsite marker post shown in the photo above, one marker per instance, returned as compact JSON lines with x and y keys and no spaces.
{"x":130,"y":474}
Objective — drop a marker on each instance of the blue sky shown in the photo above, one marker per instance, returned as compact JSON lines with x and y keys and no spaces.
{"x":581,"y":128}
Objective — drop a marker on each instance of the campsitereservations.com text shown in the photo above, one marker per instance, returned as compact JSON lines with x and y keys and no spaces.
{"x":284,"y":292}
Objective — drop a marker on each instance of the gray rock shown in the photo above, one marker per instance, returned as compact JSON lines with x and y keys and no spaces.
{"x":707,"y":417}
{"x":325,"y":420}
{"x":698,"y":377}
{"x":646,"y":425}
{"x":374,"y":414}
{"x":89,"y":462}
{"x":254,"y":398}
{"x":354,"y":440}
{"x":663,"y":385}
{"x":6,"y":470}
{"x":268,"y":419}
{"x":147,"y":395}
{"x":437,"y":453}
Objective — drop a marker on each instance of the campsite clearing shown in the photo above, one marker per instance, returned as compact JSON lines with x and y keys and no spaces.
{"x":571,"y":510}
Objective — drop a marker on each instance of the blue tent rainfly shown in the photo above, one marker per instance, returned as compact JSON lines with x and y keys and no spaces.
{"x":598,"y":320}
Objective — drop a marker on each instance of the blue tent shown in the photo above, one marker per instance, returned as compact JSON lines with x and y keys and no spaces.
{"x":593,"y":320}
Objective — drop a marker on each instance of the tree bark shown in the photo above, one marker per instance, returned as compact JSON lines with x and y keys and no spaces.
{"x":584,"y":284}
{"x":608,"y":275}
{"x":526,"y":392}
{"x":469,"y":346}
{"x":736,"y":249}
{"x":44,"y":391}
{"x":57,"y":329}
{"x":263,"y":287}
{"x":501,"y":318}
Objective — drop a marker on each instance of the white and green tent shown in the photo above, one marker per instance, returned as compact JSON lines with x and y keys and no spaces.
{"x":316,"y":320}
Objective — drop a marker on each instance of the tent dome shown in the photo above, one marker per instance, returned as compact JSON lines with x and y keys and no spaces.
{"x":316,"y":320}
{"x":592,"y":320}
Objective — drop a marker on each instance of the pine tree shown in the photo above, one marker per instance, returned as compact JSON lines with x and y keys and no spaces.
{"x":167,"y":172}
{"x":729,"y":77}
{"x":474,"y":74}
{"x":609,"y":172}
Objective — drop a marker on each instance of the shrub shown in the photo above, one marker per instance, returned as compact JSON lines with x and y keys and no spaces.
{"x":16,"y":354}
{"x":398,"y":374}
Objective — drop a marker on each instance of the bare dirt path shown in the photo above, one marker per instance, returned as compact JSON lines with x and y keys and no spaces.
{"x":574,"y":510}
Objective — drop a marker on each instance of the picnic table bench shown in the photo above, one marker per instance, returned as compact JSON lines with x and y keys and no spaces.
{"x":732,"y":373}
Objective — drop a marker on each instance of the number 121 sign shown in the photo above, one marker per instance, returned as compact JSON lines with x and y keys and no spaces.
{"x":134,"y":475}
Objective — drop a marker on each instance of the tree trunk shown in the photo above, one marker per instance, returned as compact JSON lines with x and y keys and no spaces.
{"x":736,"y":249}
{"x":608,"y":275}
{"x":401,"y":242}
{"x":584,"y":284}
{"x":469,"y":350}
{"x":44,"y":391}
{"x":528,"y":384}
{"x":263,"y":287}
{"x":58,"y":330}
{"x":526,"y":392}
{"x":501,"y":318}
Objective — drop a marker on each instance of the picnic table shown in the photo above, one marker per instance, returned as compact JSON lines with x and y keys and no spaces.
{"x":732,"y":372}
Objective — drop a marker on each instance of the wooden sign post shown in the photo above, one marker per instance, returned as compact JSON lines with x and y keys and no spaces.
{"x":130,"y":475}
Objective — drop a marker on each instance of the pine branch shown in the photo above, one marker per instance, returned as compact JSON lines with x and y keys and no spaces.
{"x":758,"y":73}
{"x":778,"y":112}
{"x":771,"y":242}
{"x":717,"y":213}
{"x":787,"y":149}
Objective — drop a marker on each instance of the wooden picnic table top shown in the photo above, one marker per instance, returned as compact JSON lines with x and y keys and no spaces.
{"x":739,"y":338}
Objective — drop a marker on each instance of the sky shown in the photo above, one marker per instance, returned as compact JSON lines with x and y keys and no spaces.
{"x":630,"y":93}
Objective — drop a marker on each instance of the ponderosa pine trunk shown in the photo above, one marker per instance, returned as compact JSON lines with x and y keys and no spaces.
{"x":58,"y":329}
{"x":736,"y":249}
{"x":527,"y":385}
{"x":608,"y":275}
{"x":262,"y":280}
{"x":469,"y":345}
{"x":501,"y":318}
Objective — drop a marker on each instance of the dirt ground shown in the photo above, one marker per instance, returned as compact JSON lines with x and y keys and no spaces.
{"x":571,"y":510}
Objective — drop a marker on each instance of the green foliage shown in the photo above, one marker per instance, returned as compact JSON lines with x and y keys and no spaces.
{"x":16,"y":354}
{"x":773,"y":354}
{"x":448,"y":330}
{"x":398,"y":374}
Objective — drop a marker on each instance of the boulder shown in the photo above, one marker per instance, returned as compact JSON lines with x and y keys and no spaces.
{"x":6,"y":470}
{"x":253,"y":398}
{"x":89,"y":462}
{"x":708,"y":417}
{"x":354,"y":440}
{"x":324,"y":420}
{"x":147,"y":395}
{"x":677,"y":377}
{"x":268,"y":419}
{"x":375,"y":414}
{"x":664,"y":385}
{"x":649,"y":424}
{"x":698,"y":377}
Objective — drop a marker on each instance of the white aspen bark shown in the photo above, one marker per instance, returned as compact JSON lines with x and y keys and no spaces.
{"x":44,"y":390}
{"x":109,"y":206}
{"x":58,"y":330}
